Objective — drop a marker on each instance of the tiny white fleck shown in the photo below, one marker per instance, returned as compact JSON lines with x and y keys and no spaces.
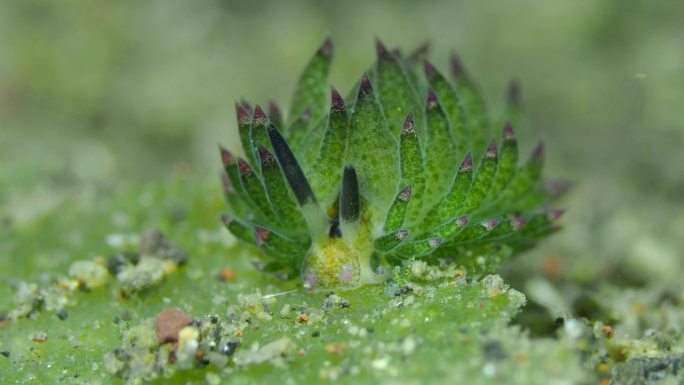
{"x":380,"y":363}
{"x":573,"y":328}
{"x":489,"y":370}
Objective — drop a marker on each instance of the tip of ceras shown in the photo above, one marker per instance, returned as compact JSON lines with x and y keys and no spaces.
{"x":508,"y":133}
{"x":245,"y":104}
{"x":492,"y":150}
{"x":242,"y":114}
{"x":265,"y":156}
{"x":557,"y":188}
{"x":261,"y":235}
{"x":244,"y":167}
{"x":226,"y":219}
{"x":326,"y":48}
{"x":457,"y":68}
{"x":431,"y":100}
{"x":259,"y":117}
{"x":435,"y":242}
{"x":554,"y":215}
{"x":381,"y":50}
{"x":405,"y":194}
{"x":490,"y":224}
{"x":538,"y":153}
{"x":273,"y":109}
{"x":513,"y":93}
{"x":429,"y":70}
{"x":421,"y":51}
{"x":462,"y":221}
{"x":336,"y":101}
{"x":409,"y":126}
{"x":226,"y":156}
{"x":365,"y":88}
{"x":467,"y":164}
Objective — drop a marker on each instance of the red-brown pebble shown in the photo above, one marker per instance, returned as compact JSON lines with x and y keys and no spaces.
{"x":169,"y":323}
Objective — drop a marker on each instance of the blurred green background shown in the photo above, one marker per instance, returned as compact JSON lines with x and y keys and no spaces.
{"x":97,"y":96}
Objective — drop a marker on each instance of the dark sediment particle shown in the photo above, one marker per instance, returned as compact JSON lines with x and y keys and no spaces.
{"x":126,"y":315}
{"x":643,"y":370}
{"x":116,"y":262}
{"x":5,"y":353}
{"x":229,"y":347}
{"x":494,"y":351}
{"x":62,"y":314}
{"x":154,"y":243}
{"x":403,"y":290}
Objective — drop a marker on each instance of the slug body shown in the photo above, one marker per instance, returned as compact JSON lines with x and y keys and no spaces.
{"x":407,"y":167}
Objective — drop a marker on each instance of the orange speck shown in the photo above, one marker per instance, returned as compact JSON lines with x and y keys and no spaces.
{"x":639,"y":308}
{"x":302,"y":318}
{"x":182,"y":168}
{"x":607,"y":331}
{"x":552,"y":266}
{"x":238,"y":333}
{"x":335,"y":347}
{"x":226,"y":274}
{"x":301,"y":353}
{"x":605,"y":381}
{"x":521,"y":357}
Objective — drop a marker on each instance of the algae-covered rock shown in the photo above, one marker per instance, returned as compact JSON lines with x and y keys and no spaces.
{"x":91,"y":274}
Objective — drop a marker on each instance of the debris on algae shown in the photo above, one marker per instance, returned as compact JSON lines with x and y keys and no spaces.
{"x":133,"y":275}
{"x":370,"y":330}
{"x":276,"y":353}
{"x":89,"y":274}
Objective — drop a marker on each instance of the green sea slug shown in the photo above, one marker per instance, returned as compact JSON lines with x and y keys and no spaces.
{"x":408,"y":166}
